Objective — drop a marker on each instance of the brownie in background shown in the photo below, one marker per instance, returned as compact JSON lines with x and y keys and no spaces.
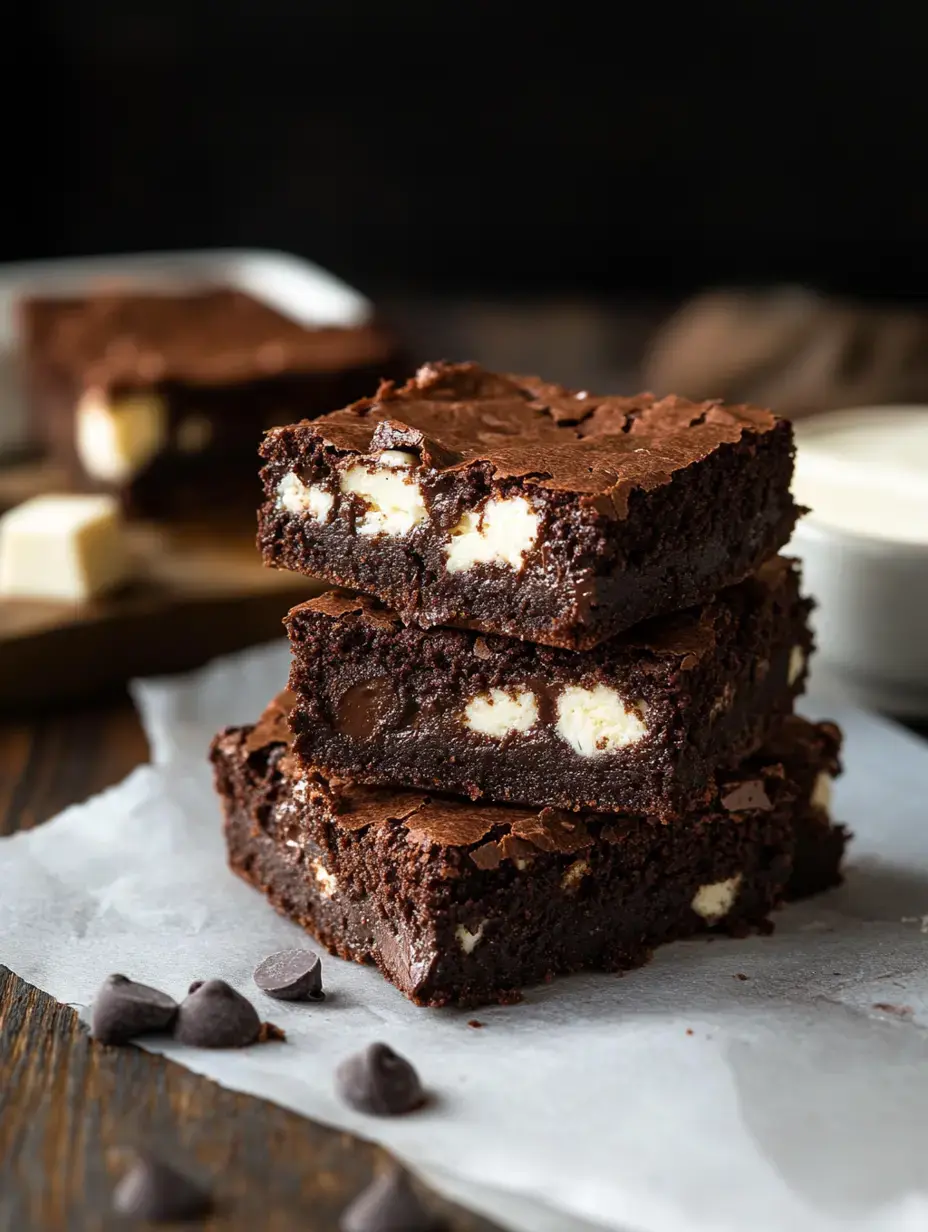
{"x":163,"y":398}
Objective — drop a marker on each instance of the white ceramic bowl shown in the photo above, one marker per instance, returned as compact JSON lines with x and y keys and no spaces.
{"x":871,"y":623}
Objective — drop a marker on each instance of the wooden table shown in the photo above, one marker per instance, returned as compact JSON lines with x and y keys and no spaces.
{"x":67,"y":1104}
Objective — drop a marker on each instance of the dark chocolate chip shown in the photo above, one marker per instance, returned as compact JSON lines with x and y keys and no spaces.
{"x":291,"y":975}
{"x":153,"y":1190}
{"x":216,"y":1016}
{"x":379,"y":1081}
{"x":747,"y":795}
{"x":389,"y":1204}
{"x":123,"y":1009}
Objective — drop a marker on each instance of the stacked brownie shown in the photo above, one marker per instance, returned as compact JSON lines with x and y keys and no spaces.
{"x":547,"y":724}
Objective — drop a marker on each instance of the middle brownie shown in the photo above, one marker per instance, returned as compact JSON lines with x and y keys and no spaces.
{"x":639,"y":723}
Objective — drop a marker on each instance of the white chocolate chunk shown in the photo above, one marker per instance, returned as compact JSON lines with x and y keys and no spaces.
{"x":595,"y":721}
{"x":797,"y":662}
{"x":116,"y":440}
{"x":575,"y":873}
{"x":393,"y":498}
{"x":297,"y":497}
{"x":713,"y":902}
{"x":821,"y":792}
{"x":500,"y":534}
{"x":500,"y":712}
{"x":194,"y":434}
{"x":467,"y":940}
{"x":63,"y":547}
{"x":326,"y":881}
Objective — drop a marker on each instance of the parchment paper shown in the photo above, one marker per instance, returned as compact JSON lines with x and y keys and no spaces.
{"x":798,"y":1101}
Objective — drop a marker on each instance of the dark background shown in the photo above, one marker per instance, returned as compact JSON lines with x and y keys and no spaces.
{"x":452,"y":147}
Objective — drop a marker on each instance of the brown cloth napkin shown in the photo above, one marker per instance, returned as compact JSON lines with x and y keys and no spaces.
{"x":791,"y":350}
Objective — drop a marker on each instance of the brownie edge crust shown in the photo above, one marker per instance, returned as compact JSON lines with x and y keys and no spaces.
{"x":459,"y":904}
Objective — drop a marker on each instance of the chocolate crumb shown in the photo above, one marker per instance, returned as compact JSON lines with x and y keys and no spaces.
{"x":689,"y":1030}
{"x":887,"y":1007}
{"x":475,"y":1022}
{"x":268,"y":1033}
{"x":739,"y":975}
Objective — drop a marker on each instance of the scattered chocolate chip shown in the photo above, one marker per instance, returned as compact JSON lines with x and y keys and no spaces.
{"x":291,"y":975}
{"x":740,"y":976}
{"x":153,"y":1190}
{"x":214,"y":1015}
{"x":389,"y":1204}
{"x":475,"y":1022}
{"x":379,"y":1081}
{"x":745,"y":796}
{"x":689,"y":1030}
{"x":123,"y":1009}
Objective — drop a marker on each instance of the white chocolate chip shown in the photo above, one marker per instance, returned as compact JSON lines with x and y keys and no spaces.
{"x":797,"y":662}
{"x":194,"y":433}
{"x":296,"y":497}
{"x":467,"y":940}
{"x":713,"y":902}
{"x":595,"y":721}
{"x":326,"y":880}
{"x":821,"y":792}
{"x":575,"y":873}
{"x":500,"y":534}
{"x":63,"y":547}
{"x":116,"y":440}
{"x":393,"y":498}
{"x":501,"y":712}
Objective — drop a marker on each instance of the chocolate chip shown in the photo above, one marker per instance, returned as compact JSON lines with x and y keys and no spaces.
{"x":379,"y":1081}
{"x":389,"y":1204}
{"x":747,"y":795}
{"x":216,"y":1016}
{"x":123,"y":1009}
{"x":153,"y":1190}
{"x":291,"y":975}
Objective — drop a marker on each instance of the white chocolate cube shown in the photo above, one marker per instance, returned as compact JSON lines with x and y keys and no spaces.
{"x":68,"y":547}
{"x":116,"y":440}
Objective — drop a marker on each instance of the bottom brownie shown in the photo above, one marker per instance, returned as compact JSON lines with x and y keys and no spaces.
{"x":462,"y":904}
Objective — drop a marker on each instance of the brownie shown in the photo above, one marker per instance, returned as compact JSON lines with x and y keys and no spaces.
{"x":639,"y":723}
{"x":164,"y":398}
{"x":458,"y":903}
{"x":526,"y":509}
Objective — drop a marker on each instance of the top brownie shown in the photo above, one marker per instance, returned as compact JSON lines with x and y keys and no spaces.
{"x":519,"y":507}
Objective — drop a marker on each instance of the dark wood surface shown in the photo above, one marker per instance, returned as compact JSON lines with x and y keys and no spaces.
{"x":69,"y":1106}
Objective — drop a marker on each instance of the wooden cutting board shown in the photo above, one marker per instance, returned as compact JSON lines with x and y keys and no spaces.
{"x":200,"y":591}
